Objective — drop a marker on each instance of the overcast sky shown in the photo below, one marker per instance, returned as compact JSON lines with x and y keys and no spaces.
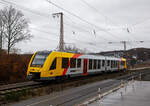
{"x":109,"y":20}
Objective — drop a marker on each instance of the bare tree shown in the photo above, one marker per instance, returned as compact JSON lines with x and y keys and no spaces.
{"x":15,"y":26}
{"x":0,"y":38}
{"x":1,"y":33}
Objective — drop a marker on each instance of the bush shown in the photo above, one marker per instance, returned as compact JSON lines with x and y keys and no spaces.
{"x":13,"y":67}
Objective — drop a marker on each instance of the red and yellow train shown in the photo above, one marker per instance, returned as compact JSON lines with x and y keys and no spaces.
{"x":53,"y":64}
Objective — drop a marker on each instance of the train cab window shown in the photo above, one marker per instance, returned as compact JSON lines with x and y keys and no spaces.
{"x":95,"y":64}
{"x":53,"y":66}
{"x":99,"y":64}
{"x":72,"y":63}
{"x":39,"y":60}
{"x":78,"y":63}
{"x":90,"y":64}
{"x":65,"y":62}
{"x":103,"y":63}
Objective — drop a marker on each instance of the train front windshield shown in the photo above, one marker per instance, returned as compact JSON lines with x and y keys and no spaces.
{"x":39,"y":60}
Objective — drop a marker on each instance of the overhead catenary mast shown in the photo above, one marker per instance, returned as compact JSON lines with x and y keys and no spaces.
{"x":61,"y":39}
{"x":125,"y":45}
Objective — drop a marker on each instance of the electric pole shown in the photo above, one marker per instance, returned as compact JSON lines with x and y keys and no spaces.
{"x":61,"y":39}
{"x":125,"y":45}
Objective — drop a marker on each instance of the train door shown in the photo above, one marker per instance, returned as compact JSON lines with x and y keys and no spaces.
{"x":85,"y":66}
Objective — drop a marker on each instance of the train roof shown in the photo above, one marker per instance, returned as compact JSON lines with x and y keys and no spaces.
{"x":90,"y":56}
{"x":99,"y":57}
{"x":43,"y":52}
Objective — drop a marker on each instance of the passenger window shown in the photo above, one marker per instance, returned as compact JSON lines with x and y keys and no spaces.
{"x":108,"y":63}
{"x":99,"y":64}
{"x":72,"y":63}
{"x":65,"y":62}
{"x":116,"y":63}
{"x":103,"y":63}
{"x":111,"y":64}
{"x":53,"y":65}
{"x":95,"y":64}
{"x":78,"y":63}
{"x":90,"y":64}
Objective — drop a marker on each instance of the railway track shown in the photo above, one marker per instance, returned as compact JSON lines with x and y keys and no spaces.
{"x":4,"y":89}
{"x":31,"y":84}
